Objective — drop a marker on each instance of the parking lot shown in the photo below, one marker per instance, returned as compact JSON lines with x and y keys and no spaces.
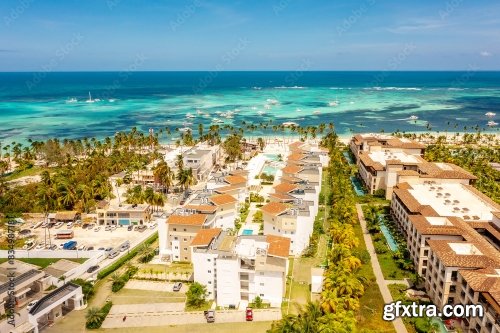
{"x":90,"y":237}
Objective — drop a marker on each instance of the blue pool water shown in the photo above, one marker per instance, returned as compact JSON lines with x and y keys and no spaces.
{"x":348,"y":157}
{"x":247,"y":232}
{"x":358,"y":188}
{"x":269,"y":170}
{"x":272,"y":157}
{"x":387,"y":234}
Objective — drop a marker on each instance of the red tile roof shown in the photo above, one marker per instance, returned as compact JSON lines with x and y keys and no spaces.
{"x":194,"y":219}
{"x":274,"y":208}
{"x":278,"y":246}
{"x":205,"y":236}
{"x":222,"y":199}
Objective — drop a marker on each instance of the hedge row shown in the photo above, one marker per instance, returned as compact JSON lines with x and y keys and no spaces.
{"x":102,"y":315}
{"x":113,"y":267}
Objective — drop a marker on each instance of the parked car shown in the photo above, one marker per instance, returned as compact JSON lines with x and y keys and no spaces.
{"x":85,"y":226}
{"x":92,"y":269}
{"x":90,"y":248}
{"x":31,"y":305}
{"x":108,"y":249}
{"x":209,"y":316}
{"x":40,"y":246}
{"x":152,"y":226}
{"x":44,"y":225}
{"x":82,"y":248}
{"x":130,"y":227}
{"x":107,"y":228}
{"x":69,"y":225}
{"x":58,"y":225}
{"x":97,"y":229}
{"x":113,"y":227}
{"x":177,"y":286}
{"x":101,"y":249}
{"x":113,"y":254}
{"x":125,"y":246}
{"x":71,"y":245}
{"x":53,"y":247}
{"x":249,"y":314}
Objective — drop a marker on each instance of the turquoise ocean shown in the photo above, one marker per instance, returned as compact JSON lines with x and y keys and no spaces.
{"x":46,"y":105}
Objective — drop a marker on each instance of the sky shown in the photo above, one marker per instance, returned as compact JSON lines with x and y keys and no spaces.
{"x":106,"y":35}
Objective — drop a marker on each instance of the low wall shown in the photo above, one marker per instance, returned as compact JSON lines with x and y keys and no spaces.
{"x":73,"y":254}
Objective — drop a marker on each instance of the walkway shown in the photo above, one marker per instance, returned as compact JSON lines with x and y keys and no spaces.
{"x":386,"y":294}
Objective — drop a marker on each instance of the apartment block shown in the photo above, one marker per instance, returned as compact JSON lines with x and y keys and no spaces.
{"x":222,"y":209}
{"x":291,"y":220}
{"x":237,"y":269}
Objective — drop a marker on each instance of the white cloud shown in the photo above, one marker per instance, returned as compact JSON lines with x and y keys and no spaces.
{"x":485,"y":54}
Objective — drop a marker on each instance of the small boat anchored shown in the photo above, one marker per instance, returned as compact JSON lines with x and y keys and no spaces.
{"x":490,"y":114}
{"x":413,"y":117}
{"x":72,"y":100}
{"x":491,"y":123}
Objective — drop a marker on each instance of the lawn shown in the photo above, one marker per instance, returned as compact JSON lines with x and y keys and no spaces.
{"x":35,"y":170}
{"x":174,"y":267}
{"x":136,"y":296}
{"x":204,"y":307}
{"x":44,"y":262}
{"x":390,"y":269}
{"x":372,"y":304}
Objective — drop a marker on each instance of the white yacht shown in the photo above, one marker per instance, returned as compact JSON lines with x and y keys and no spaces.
{"x":90,"y":100}
{"x":272,"y":101}
{"x":111,"y":100}
{"x":316,"y":112}
{"x":199,"y":112}
{"x":72,"y":100}
{"x":298,"y":110}
{"x":490,"y":114}
{"x":290,"y":124}
{"x":189,"y":116}
{"x":260,"y":112}
{"x":491,"y":123}
{"x":267,"y":107}
{"x":184,"y":129}
{"x":413,"y":117}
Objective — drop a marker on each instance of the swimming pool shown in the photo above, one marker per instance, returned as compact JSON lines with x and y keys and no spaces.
{"x":269,"y":170}
{"x":348,"y":157}
{"x":387,"y":234}
{"x":272,"y":157}
{"x":247,"y":232}
{"x":358,"y":188}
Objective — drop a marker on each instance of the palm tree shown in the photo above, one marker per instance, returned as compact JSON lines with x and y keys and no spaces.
{"x":94,"y":316}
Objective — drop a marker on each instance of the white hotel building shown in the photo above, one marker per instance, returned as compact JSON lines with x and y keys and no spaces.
{"x":236,"y":269}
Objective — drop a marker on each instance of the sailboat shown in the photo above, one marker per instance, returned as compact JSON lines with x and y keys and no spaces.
{"x":90,"y":100}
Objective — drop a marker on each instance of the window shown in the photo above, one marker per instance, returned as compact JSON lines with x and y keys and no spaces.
{"x":185,"y":258}
{"x":176,"y":247}
{"x":185,"y":239}
{"x":261,"y":295}
{"x":185,"y":249}
{"x":209,"y":282}
{"x":184,"y":229}
{"x":209,"y":260}
{"x":175,"y":229}
{"x":209,"y":271}
{"x":175,"y":238}
{"x":262,"y":284}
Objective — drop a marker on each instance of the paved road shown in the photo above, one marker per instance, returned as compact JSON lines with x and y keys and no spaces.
{"x":386,"y":294}
{"x":145,"y":319}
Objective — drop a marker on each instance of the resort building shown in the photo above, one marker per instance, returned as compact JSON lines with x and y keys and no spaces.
{"x":291,"y":220}
{"x":123,"y":214}
{"x":201,"y":159}
{"x":382,"y":170}
{"x":297,"y":193}
{"x":66,"y":216}
{"x":237,"y":269}
{"x":55,"y":305}
{"x":440,"y":199}
{"x":309,"y":173}
{"x":446,"y":257}
{"x":309,"y":148}
{"x":176,"y":232}
{"x":233,"y":182}
{"x":221,"y":209}
{"x":379,"y":169}
{"x":28,"y":281}
{"x":372,"y":142}
{"x":482,"y":287}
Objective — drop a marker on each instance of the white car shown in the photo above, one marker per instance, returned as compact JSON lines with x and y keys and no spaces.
{"x":152,"y":226}
{"x":31,"y":304}
{"x":69,"y":225}
{"x":44,"y":225}
{"x":97,"y":229}
{"x":58,"y":225}
{"x":82,"y":248}
{"x":40,"y":246}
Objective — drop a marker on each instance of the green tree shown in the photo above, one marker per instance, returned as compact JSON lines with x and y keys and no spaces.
{"x":196,"y":295}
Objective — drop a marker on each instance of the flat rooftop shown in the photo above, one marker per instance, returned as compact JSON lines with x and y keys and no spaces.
{"x":382,"y":157}
{"x":53,"y":297}
{"x":465,"y":249}
{"x":453,"y":200}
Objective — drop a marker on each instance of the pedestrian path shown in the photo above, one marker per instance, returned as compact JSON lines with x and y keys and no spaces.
{"x":384,"y":290}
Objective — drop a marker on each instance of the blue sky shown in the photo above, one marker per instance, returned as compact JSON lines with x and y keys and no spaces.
{"x":64,"y":35}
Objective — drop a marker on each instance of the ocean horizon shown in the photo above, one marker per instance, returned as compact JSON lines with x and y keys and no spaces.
{"x":43,"y":105}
